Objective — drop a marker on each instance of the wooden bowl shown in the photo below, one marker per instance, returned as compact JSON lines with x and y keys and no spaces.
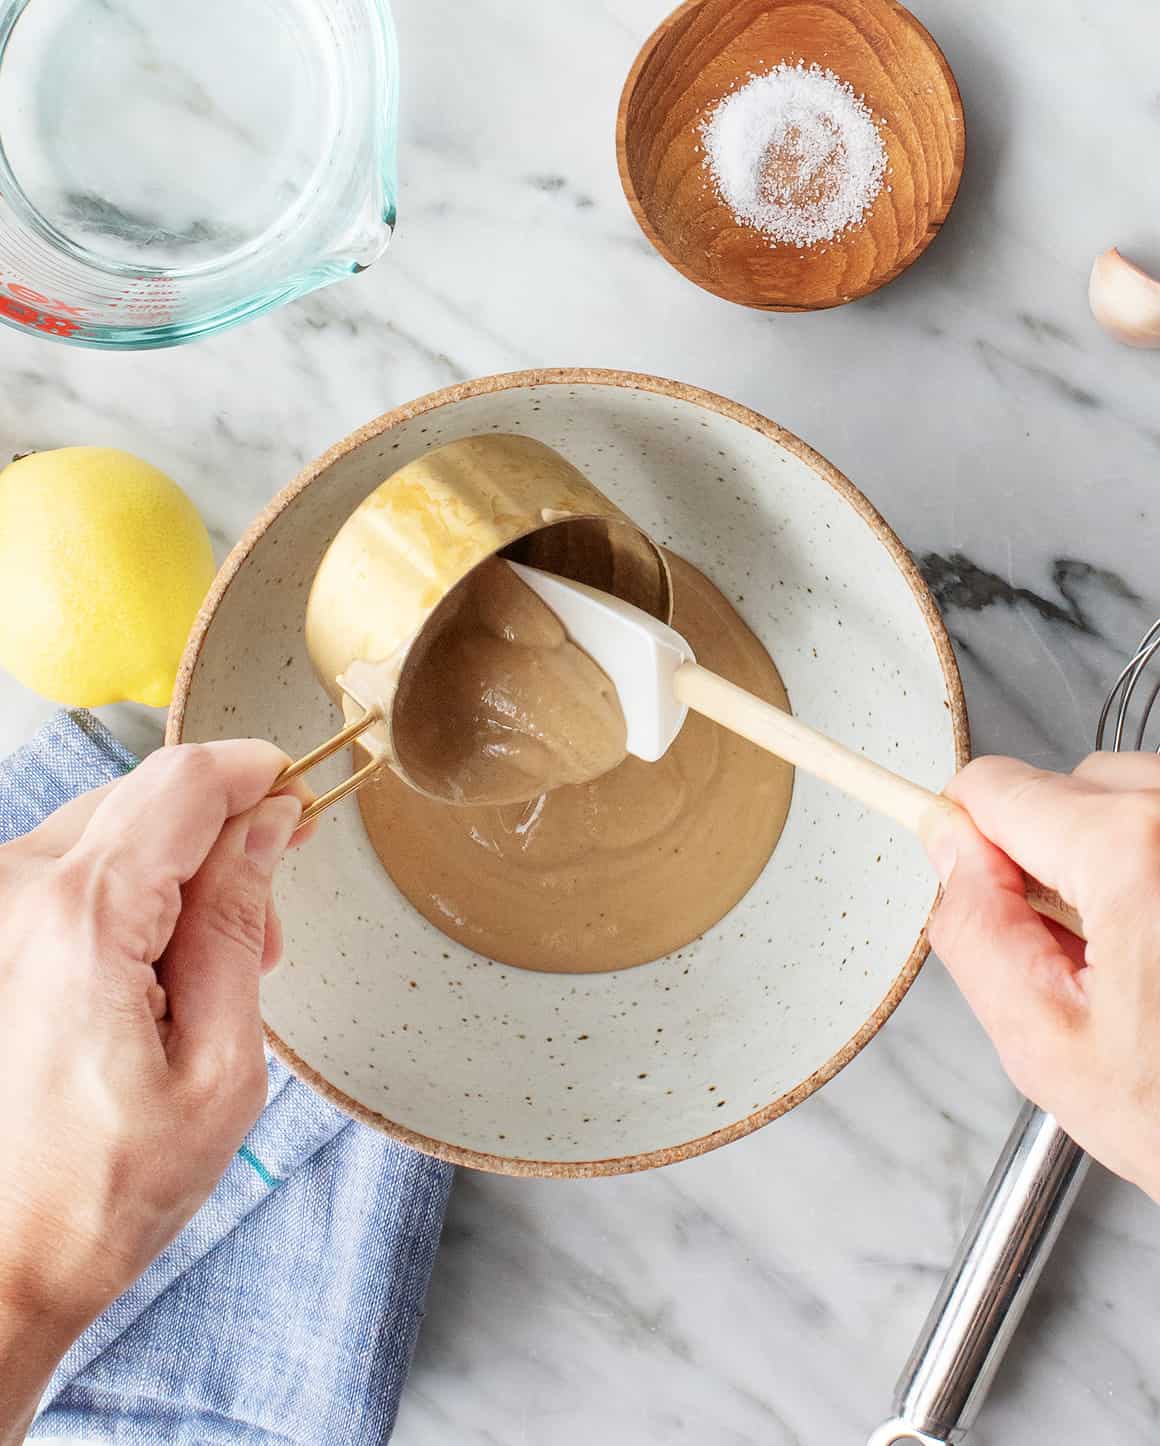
{"x":594,"y":1074}
{"x":707,"y":48}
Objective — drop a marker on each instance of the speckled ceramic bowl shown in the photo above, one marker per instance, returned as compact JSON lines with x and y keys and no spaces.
{"x":546,"y":1074}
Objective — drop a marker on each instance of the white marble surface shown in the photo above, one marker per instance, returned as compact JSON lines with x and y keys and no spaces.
{"x":765,"y":1295}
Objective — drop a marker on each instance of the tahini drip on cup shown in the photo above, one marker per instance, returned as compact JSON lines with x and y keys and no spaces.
{"x":401,"y":554}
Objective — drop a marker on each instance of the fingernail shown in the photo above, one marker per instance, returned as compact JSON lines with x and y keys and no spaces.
{"x":271,"y":829}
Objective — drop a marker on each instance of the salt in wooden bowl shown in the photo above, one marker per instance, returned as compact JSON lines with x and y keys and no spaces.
{"x":706,"y":49}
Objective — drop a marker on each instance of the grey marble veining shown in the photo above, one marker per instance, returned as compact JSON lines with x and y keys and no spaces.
{"x":767,"y":1294}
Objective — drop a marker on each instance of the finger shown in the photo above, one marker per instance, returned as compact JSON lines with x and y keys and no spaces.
{"x":1120,"y":772}
{"x":210,"y":969}
{"x":161,"y":820}
{"x":1035,"y":817}
{"x":272,"y":947}
{"x":1094,"y":846}
{"x":157,"y":1000}
{"x":297,"y":788}
{"x":159,"y":1008}
{"x":1006,"y":960}
{"x":60,"y":830}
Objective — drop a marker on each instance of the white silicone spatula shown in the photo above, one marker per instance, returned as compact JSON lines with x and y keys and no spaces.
{"x":657,"y":680}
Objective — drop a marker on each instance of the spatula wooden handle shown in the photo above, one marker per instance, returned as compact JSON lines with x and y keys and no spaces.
{"x":778,"y":732}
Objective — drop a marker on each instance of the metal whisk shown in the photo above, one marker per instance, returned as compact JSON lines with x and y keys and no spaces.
{"x":1122,"y":692}
{"x":1028,"y":1197}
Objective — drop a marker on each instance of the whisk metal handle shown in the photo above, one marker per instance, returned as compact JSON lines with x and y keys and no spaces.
{"x":1031,"y":1190}
{"x":1030,"y":1193}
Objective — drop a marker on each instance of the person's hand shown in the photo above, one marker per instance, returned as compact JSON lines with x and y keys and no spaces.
{"x":1077,"y":1027}
{"x":134,"y":924}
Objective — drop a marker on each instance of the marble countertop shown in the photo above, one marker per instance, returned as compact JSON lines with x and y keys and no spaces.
{"x":766,"y":1294}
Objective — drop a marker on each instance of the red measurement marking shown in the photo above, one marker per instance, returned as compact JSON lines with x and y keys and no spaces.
{"x":36,"y":318}
{"x":26,"y":293}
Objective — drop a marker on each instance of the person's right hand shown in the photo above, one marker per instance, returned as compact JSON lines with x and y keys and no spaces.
{"x":1077,"y":1027}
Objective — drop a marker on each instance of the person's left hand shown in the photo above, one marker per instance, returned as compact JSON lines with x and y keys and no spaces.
{"x":134,"y":924}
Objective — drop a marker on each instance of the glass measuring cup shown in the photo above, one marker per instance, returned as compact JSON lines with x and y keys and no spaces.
{"x":171,"y":167}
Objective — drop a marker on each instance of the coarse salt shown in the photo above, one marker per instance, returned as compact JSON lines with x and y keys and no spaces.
{"x":795,"y":154}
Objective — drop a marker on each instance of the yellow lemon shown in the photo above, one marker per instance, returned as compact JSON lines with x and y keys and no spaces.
{"x":104,"y":563}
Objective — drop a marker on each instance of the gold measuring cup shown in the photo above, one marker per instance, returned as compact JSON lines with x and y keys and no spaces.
{"x":402,"y":552}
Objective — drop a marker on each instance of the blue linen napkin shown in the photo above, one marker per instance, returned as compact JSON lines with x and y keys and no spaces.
{"x":287,"y":1310}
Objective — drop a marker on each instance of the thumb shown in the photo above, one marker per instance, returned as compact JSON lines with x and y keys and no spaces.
{"x":211,"y":968}
{"x":1008,"y":961}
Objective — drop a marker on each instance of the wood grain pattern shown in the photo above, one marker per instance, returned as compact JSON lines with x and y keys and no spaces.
{"x":706,"y":48}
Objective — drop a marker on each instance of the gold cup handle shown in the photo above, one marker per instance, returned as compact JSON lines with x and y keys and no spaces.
{"x":318,"y":755}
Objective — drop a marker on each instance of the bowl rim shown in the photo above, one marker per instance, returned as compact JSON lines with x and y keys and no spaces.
{"x":826,"y":472}
{"x":940,"y":209}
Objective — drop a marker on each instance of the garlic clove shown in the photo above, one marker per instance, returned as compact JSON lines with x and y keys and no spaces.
{"x":1125,"y":300}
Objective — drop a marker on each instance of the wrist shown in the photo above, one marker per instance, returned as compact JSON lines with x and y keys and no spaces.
{"x":32,"y":1343}
{"x":42,"y":1299}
